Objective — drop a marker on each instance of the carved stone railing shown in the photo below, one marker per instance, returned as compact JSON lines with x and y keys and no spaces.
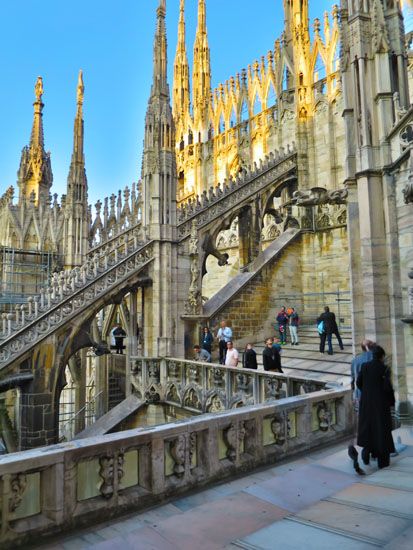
{"x":70,"y":293}
{"x":66,"y":486}
{"x":221,"y":199}
{"x":119,"y":214}
{"x":205,"y":387}
{"x":127,"y":238}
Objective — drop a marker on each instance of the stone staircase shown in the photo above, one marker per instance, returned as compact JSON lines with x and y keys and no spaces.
{"x":229,"y":291}
{"x":70,"y":293}
{"x":306,"y":359}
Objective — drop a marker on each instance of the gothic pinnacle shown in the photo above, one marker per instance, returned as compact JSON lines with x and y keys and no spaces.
{"x":37,"y":139}
{"x":160,"y":85}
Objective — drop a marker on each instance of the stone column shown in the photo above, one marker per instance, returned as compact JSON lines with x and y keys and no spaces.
{"x":373,"y":258}
{"x":37,"y":419}
{"x":353,"y":232}
{"x":132,"y":348}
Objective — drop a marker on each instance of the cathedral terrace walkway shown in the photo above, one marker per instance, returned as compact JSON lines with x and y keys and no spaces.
{"x":315,"y":500}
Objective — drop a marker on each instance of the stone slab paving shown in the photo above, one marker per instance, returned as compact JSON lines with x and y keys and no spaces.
{"x":314,"y":501}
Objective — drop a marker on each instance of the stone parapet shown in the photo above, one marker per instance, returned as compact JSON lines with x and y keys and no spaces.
{"x":49,"y":490}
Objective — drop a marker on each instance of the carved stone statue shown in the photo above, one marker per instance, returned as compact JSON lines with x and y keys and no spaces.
{"x":194,"y":302}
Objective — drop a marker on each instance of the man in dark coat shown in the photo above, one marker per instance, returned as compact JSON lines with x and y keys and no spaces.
{"x":119,"y":334}
{"x":330,"y":328}
{"x":375,"y":423}
{"x":271,"y":357}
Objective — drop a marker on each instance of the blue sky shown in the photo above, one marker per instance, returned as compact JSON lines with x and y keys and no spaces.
{"x":112,"y":42}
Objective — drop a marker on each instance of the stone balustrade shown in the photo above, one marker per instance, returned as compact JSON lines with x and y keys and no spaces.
{"x":69,"y":293}
{"x":48,"y":490}
{"x":205,"y":387}
{"x":220,"y":199}
{"x":120,"y":213}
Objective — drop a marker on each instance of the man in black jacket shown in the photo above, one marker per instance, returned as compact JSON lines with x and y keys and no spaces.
{"x":271,"y":357}
{"x":119,"y":334}
{"x":330,"y":328}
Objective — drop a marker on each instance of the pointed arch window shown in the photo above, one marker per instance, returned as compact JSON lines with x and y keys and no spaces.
{"x":233,"y":118}
{"x":244,"y":111}
{"x":286,"y":79}
{"x":221,"y":127}
{"x":271,"y":96}
{"x":319,"y":69}
{"x":257,"y":107}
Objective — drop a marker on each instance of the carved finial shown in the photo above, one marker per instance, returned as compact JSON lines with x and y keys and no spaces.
{"x":80,"y":88}
{"x":38,"y":89}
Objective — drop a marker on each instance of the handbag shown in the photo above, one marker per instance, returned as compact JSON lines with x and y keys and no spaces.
{"x":320,"y":327}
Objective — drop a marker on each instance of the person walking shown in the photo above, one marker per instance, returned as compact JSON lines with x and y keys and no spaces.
{"x":293,"y":321}
{"x":365,"y":356}
{"x":249,"y":359}
{"x":207,"y":340}
{"x":271,"y":358}
{"x":232,"y":356}
{"x":282,"y":320}
{"x":328,"y":319}
{"x":119,"y":334}
{"x":224,"y":335}
{"x":202,"y":354}
{"x":375,"y":422}
{"x":358,"y":361}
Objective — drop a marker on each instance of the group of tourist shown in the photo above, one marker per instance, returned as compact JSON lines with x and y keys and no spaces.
{"x":288,"y":317}
{"x":373,"y":398}
{"x":229,"y":355}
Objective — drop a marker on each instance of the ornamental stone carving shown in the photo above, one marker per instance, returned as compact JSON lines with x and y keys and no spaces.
{"x":324,"y":416}
{"x":318,"y":195}
{"x":408,"y":190}
{"x":234,"y":438}
{"x":279,"y":429}
{"x":18,"y":484}
{"x":110,"y":466}
{"x":193,"y":305}
{"x":182,"y":450}
{"x":177,"y":450}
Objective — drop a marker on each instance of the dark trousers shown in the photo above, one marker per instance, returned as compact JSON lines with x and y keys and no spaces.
{"x":383,"y":460}
{"x":329,"y":337}
{"x":222,"y":351}
{"x":283,"y":334}
{"x":119,"y":345}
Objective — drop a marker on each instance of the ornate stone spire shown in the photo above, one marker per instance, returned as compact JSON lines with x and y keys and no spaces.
{"x":159,"y":163}
{"x":37,"y":137}
{"x":76,"y":207}
{"x":34,"y":177}
{"x":181,"y":91}
{"x":77,"y":181}
{"x":160,"y":83}
{"x":201,"y":76}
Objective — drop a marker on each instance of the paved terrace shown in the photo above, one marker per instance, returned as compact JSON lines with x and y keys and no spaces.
{"x":315,"y":501}
{"x":306,"y":359}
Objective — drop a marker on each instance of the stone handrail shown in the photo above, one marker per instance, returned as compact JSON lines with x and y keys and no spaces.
{"x":119,"y":213}
{"x":124,"y":238}
{"x":220,"y":199}
{"x":207,"y":387}
{"x":70,"y":293}
{"x":65,"y":486}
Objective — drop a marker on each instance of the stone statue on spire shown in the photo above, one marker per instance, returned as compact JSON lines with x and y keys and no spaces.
{"x":38,"y":88}
{"x":80,"y":88}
